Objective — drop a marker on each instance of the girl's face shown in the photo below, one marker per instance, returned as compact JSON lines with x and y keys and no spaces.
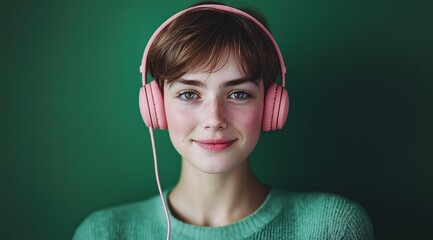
{"x":214,"y":119}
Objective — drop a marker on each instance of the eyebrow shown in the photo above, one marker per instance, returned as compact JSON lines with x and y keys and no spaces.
{"x":229,"y":83}
{"x":240,"y":81}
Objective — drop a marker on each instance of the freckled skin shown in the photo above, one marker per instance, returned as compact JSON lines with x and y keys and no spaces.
{"x":214,"y":114}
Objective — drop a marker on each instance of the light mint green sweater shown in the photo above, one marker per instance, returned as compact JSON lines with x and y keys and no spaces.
{"x":282,"y":216}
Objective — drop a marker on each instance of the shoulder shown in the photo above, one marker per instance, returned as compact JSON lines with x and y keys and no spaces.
{"x":308,"y":201}
{"x":137,"y":218}
{"x":328,"y":213}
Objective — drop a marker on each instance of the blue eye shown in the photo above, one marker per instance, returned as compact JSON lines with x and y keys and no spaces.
{"x":239,"y":95}
{"x":187,"y":95}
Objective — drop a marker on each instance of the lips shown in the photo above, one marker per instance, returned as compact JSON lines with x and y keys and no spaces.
{"x":214,"y":144}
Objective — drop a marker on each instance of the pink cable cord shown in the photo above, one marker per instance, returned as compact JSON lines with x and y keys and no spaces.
{"x":155,"y":161}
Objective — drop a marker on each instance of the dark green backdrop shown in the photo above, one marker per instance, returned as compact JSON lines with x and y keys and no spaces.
{"x":359,"y":75}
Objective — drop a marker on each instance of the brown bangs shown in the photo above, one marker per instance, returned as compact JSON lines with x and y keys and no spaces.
{"x":198,"y":39}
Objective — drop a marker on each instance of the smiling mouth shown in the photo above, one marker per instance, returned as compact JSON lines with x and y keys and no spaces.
{"x":214,"y":145}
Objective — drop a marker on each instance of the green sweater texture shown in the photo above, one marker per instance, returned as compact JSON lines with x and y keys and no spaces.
{"x":283,"y":215}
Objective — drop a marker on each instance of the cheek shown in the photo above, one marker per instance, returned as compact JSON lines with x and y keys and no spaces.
{"x":249,"y":118}
{"x":181,"y":121}
{"x":177,"y":120}
{"x":179,"y":125}
{"x":249,"y":125}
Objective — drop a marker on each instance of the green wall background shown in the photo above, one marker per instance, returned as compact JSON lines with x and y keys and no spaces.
{"x":360,"y":77}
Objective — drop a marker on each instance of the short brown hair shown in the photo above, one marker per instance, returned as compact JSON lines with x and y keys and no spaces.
{"x":197,"y":40}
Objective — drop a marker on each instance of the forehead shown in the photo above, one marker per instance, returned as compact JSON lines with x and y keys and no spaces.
{"x":227,"y":68}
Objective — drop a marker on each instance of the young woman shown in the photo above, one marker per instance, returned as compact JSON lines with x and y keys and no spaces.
{"x":214,"y":68}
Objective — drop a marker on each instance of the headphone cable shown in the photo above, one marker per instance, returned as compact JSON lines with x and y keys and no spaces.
{"x":155,"y":161}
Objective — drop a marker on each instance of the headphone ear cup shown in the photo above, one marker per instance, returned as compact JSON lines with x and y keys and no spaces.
{"x":283,"y":109}
{"x":152,"y":106}
{"x":276,"y":108}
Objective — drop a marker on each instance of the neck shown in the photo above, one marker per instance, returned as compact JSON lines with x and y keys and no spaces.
{"x":216,"y":199}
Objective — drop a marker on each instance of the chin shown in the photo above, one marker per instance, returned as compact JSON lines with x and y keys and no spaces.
{"x":217,"y":165}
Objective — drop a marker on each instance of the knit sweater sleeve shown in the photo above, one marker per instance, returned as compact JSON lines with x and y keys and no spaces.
{"x":91,"y":228}
{"x":131,"y":221}
{"x":358,"y":224}
{"x":328,"y":216}
{"x":99,"y":225}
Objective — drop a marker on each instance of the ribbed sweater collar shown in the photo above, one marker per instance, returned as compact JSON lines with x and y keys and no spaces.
{"x":237,"y":230}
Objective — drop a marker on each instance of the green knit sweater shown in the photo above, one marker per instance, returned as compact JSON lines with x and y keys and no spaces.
{"x":282,"y":216}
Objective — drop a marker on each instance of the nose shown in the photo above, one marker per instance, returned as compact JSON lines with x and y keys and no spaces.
{"x":214,"y":116}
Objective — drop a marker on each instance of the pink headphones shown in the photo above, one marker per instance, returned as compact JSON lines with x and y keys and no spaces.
{"x":151,"y":102}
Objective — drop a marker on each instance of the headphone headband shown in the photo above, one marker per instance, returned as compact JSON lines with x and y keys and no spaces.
{"x":216,"y":7}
